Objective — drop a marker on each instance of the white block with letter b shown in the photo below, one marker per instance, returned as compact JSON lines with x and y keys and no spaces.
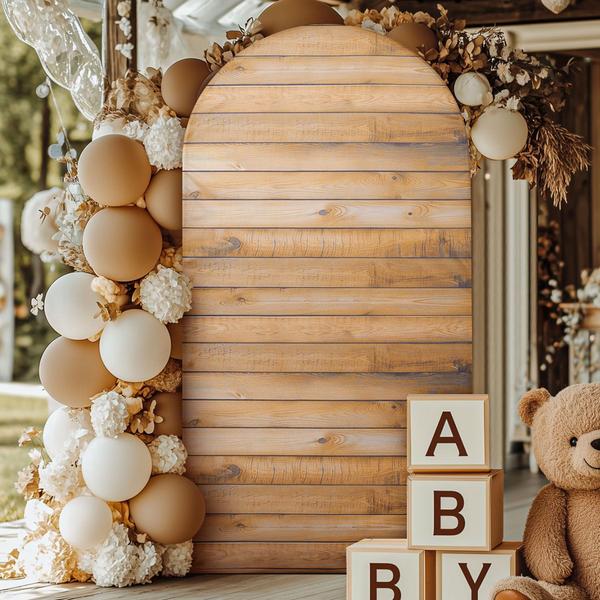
{"x":463,"y":512}
{"x":448,"y":433}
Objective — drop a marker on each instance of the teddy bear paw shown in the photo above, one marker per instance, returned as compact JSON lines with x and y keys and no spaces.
{"x":510,"y":595}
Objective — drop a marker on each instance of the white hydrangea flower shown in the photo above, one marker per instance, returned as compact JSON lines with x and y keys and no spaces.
{"x":36,"y":514}
{"x":149,"y":563}
{"x":166,"y":294}
{"x":109,"y":413}
{"x":61,"y":478}
{"x":136,"y":130}
{"x":177,"y":559}
{"x":163,"y":141}
{"x":168,"y":455}
{"x":46,"y":559}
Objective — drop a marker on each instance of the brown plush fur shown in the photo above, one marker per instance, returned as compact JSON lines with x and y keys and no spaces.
{"x":562,"y":536}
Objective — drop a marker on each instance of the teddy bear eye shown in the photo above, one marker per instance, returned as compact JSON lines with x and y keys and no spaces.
{"x":573,"y":441}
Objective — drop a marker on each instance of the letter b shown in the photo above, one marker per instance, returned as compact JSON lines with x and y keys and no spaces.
{"x":375,"y":585}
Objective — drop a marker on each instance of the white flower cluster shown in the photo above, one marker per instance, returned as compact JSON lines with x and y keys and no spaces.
{"x":177,"y":559}
{"x":166,"y":294}
{"x":46,"y":558}
{"x":109,"y":414}
{"x":590,"y":292}
{"x":168,"y":455}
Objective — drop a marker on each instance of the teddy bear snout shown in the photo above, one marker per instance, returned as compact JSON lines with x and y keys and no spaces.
{"x":596,"y":444}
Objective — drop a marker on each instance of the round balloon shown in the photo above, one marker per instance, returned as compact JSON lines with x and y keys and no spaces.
{"x":114,"y":170}
{"x":170,"y":509}
{"x":85,"y":522}
{"x":136,"y":346}
{"x":168,"y":406}
{"x":182,"y":83}
{"x":122,"y":244}
{"x":176,"y":333}
{"x":71,"y":306}
{"x":72,"y":372}
{"x":286,"y":14}
{"x":116,"y":469}
{"x":163,"y":198}
{"x":414,"y":36}
{"x":473,"y":89}
{"x":62,"y":425}
{"x":108,"y":127}
{"x":499,"y":133}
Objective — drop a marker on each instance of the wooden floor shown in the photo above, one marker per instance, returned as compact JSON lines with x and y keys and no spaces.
{"x":521,"y":487}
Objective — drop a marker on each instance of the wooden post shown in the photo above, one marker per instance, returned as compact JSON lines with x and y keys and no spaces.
{"x":116,"y":64}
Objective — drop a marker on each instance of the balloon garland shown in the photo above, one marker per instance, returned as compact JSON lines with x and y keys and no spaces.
{"x":107,"y":497}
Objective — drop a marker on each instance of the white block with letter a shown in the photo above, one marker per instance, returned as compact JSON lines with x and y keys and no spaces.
{"x":462,"y":512}
{"x":472,"y":575}
{"x":448,"y":433}
{"x":389,"y":570}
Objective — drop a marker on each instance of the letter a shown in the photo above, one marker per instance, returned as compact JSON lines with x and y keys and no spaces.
{"x":439,"y":512}
{"x":392,"y":585}
{"x":475,"y":585}
{"x":438,"y":438}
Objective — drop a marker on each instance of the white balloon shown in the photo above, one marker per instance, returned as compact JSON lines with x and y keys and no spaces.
{"x":109,"y":127}
{"x":62,"y":424}
{"x":71,"y":307}
{"x":136,"y":346}
{"x":85,"y":522}
{"x":500,"y":133}
{"x":473,"y":89}
{"x":116,"y":469}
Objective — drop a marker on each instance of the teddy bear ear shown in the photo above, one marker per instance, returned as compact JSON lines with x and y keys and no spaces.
{"x":531,"y":402}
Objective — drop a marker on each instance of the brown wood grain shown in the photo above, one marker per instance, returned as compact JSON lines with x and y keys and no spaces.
{"x":299,"y":413}
{"x":272,"y":441}
{"x":298,"y":470}
{"x":327,"y":243}
{"x":331,"y":301}
{"x":321,"y":386}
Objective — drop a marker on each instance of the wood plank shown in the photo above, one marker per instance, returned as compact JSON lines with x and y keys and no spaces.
{"x":328,"y":358}
{"x":351,"y":185}
{"x":330,"y":301}
{"x":329,"y":272}
{"x":299,"y":528}
{"x":299,"y":413}
{"x":334,"y":127}
{"x":298,"y":470}
{"x":305,"y":499}
{"x":294,"y":442}
{"x":328,"y":156}
{"x":295,"y":70}
{"x":327,"y":243}
{"x":428,"y":99}
{"x":246,"y":557}
{"x":321,"y":386}
{"x":326,"y":330}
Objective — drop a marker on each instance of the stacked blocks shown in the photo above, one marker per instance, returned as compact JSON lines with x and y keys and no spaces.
{"x":454,"y":549}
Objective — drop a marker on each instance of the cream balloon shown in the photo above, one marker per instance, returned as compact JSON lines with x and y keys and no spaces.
{"x":499,"y":133}
{"x":473,"y":89}
{"x":71,"y":307}
{"x":85,"y":522}
{"x":108,"y":127}
{"x":136,"y":346}
{"x":62,"y":425}
{"x":116,"y":469}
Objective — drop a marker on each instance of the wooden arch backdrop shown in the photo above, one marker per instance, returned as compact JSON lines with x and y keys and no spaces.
{"x":327,"y":233}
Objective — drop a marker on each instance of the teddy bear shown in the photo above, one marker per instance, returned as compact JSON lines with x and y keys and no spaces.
{"x":562,"y":535}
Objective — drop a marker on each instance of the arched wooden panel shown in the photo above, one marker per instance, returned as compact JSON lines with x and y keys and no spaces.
{"x":327,"y":232}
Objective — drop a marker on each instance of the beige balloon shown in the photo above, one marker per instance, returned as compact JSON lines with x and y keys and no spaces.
{"x":85,"y":522}
{"x":168,"y":406}
{"x":286,"y":14}
{"x":163,"y":199}
{"x":122,"y":244}
{"x":182,"y":83}
{"x":136,"y":346}
{"x":72,"y":372}
{"x":176,"y":333}
{"x":114,"y":170}
{"x":116,"y":469}
{"x":170,"y":509}
{"x":473,"y":89}
{"x":499,"y":133}
{"x":414,"y":36}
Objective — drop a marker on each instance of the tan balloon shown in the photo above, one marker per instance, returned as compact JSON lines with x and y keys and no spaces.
{"x":414,"y":36}
{"x":182,"y":83}
{"x":72,"y":372}
{"x":176,"y":333}
{"x":114,"y":170}
{"x":499,"y":133}
{"x":286,"y":14}
{"x":168,"y":406}
{"x":122,"y":244}
{"x":170,"y":509}
{"x":163,"y":198}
